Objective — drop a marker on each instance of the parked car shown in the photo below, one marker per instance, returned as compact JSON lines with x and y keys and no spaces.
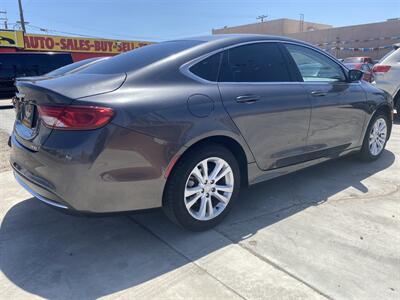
{"x":20,"y":64}
{"x":387,"y":75}
{"x":358,"y":59}
{"x":365,"y":68}
{"x":184,"y":124}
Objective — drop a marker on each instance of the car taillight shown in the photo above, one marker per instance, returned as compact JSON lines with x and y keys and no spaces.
{"x":75,"y":117}
{"x":380,"y":69}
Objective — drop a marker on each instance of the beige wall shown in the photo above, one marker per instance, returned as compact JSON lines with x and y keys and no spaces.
{"x":274,"y":27}
{"x":344,"y":37}
{"x":358,"y":36}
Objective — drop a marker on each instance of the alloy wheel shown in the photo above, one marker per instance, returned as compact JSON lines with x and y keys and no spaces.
{"x":377,"y":137}
{"x":209,"y":188}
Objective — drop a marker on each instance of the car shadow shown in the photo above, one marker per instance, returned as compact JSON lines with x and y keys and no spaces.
{"x":54,"y":255}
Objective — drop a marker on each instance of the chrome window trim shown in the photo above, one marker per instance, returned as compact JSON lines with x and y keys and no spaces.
{"x":185,"y":68}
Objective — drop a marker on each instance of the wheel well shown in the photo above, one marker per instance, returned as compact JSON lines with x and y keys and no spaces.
{"x":231,"y":145}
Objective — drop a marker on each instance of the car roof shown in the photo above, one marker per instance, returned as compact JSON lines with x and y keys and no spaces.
{"x":237,"y":38}
{"x":214,"y":42}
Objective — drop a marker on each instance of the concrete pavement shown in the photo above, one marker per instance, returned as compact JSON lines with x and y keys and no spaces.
{"x":331,"y":231}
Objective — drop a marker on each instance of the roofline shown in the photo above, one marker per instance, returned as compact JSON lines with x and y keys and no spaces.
{"x":270,"y":21}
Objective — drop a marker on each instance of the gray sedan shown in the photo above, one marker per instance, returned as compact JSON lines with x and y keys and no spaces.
{"x":184,"y":124}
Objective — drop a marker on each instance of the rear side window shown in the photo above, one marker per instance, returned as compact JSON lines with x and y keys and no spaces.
{"x":261,"y":62}
{"x":207,"y":68}
{"x":315,"y":66}
{"x":139,"y":58}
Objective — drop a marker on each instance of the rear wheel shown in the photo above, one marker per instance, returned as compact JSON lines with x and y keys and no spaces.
{"x":202,"y":188}
{"x":375,"y":138}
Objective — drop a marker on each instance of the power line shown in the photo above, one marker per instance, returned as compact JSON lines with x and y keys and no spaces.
{"x":63,"y":32}
{"x":5,"y":19}
{"x":88,"y":35}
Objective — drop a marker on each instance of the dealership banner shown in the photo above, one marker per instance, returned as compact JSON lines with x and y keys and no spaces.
{"x":77,"y":44}
{"x":11,"y":39}
{"x":39,"y":42}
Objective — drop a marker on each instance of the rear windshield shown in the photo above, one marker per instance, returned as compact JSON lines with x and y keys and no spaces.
{"x":20,"y":65}
{"x":70,"y":67}
{"x":138,"y":58}
{"x":387,"y":55}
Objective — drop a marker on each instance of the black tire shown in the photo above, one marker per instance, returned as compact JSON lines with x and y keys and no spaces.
{"x":173,"y":199}
{"x":365,"y":153}
{"x":397,"y":106}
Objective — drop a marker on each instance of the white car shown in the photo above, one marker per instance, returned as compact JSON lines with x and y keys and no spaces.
{"x":387,"y":75}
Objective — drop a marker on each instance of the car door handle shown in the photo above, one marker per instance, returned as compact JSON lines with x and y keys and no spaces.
{"x":248,"y":98}
{"x":318,"y":93}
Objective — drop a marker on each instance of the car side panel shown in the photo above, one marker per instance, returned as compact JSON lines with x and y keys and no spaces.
{"x":183,"y":118}
{"x":338,"y":115}
{"x":276,"y":126}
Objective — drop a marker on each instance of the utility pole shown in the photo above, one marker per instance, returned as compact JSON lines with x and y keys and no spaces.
{"x":262,"y":17}
{"x":21,"y":16}
{"x":301,"y":22}
{"x":3,"y":12}
{"x":337,"y":48}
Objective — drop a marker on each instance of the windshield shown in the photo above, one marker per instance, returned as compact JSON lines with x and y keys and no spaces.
{"x":138,"y":58}
{"x":353,"y":66}
{"x":73,"y":66}
{"x":353,"y":60}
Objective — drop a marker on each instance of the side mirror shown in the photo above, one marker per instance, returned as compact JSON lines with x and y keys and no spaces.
{"x":355,"y":75}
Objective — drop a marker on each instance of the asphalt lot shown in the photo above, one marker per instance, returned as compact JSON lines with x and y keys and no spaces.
{"x":330,"y":231}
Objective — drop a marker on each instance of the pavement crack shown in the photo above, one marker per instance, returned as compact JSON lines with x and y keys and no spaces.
{"x":184,"y":256}
{"x":276,"y":266}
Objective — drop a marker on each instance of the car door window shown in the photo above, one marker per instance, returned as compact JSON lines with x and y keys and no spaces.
{"x":207,"y":68}
{"x":260,"y":62}
{"x":314,"y":66}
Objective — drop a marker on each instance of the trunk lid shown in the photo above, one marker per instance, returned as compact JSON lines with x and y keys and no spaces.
{"x":28,"y":128}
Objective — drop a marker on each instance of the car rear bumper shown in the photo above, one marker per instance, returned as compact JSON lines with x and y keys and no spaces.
{"x":112,"y":170}
{"x":38,"y":192}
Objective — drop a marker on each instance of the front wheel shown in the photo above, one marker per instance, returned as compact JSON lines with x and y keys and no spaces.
{"x":202,"y":188}
{"x":375,"y":138}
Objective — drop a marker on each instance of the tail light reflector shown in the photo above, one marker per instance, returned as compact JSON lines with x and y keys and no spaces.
{"x":75,"y":117}
{"x":381,"y":69}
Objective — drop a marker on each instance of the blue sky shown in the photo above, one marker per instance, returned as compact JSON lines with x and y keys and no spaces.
{"x":158,"y":20}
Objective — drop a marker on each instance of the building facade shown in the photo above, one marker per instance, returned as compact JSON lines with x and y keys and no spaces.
{"x":273,"y":27}
{"x":373,"y":40}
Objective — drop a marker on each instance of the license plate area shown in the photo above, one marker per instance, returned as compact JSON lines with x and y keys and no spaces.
{"x":28,"y":115}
